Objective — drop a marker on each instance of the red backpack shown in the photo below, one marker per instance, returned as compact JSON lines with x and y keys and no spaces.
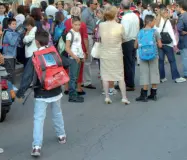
{"x":49,"y":69}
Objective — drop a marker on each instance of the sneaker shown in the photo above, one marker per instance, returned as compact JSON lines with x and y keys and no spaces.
{"x":62,"y":139}
{"x":76,"y":99}
{"x":180,"y":80}
{"x":36,"y":152}
{"x":1,"y":150}
{"x":163,"y":80}
{"x":112,"y":91}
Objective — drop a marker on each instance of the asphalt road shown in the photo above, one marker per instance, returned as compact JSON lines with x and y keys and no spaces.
{"x":140,"y":131}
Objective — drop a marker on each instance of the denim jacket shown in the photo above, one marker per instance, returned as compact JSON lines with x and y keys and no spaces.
{"x":182,"y":26}
{"x":10,"y":43}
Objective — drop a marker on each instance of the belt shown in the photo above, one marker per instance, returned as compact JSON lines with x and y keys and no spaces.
{"x":90,"y":34}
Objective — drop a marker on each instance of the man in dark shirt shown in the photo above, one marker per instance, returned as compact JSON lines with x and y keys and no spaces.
{"x":182,"y":28}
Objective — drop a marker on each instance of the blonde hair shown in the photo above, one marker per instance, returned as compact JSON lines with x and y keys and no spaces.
{"x":110,"y":13}
{"x":75,"y":11}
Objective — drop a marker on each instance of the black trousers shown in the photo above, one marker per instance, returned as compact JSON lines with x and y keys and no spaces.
{"x":10,"y":65}
{"x":129,"y":58}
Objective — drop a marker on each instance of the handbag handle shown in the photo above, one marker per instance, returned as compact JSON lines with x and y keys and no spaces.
{"x":164,"y":25}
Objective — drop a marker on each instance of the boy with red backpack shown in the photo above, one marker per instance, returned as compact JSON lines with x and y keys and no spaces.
{"x":45,"y":70}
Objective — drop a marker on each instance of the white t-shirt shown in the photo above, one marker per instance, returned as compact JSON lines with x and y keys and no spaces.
{"x":76,"y":46}
{"x":51,"y":11}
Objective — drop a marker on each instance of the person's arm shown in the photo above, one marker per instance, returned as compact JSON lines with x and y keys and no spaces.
{"x":169,"y":28}
{"x":1,"y":59}
{"x":12,"y":38}
{"x":136,"y":44}
{"x":126,"y":25}
{"x":158,"y":39}
{"x":26,"y":80}
{"x":85,"y":37}
{"x":84,"y":17}
{"x":180,"y":27}
{"x":30,"y":36}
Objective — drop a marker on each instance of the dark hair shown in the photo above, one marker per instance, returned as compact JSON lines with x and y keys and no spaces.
{"x":42,"y":37}
{"x":2,"y":4}
{"x":148,"y":19}
{"x":29,"y":21}
{"x":59,"y":17}
{"x":36,"y":14}
{"x":89,"y":2}
{"x":184,"y":5}
{"x":144,"y":6}
{"x":62,"y":2}
{"x":162,"y":6}
{"x":43,"y":5}
{"x":75,"y":19}
{"x":51,"y":2}
{"x":10,"y":20}
{"x":139,"y":2}
{"x":21,"y":9}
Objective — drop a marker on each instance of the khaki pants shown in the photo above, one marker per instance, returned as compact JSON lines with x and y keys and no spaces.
{"x":87,"y":65}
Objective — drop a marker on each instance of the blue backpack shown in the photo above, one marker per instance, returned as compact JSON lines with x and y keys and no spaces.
{"x":147,"y":45}
{"x":59,"y":29}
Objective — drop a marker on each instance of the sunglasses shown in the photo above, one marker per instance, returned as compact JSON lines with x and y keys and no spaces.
{"x":95,"y":4}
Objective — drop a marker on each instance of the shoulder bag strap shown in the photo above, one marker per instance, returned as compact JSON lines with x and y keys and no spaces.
{"x":164,"y":25}
{"x":72,"y":38}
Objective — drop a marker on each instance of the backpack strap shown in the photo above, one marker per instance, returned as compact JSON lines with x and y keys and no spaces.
{"x":72,"y":37}
{"x":43,"y":69}
{"x":164,"y":25}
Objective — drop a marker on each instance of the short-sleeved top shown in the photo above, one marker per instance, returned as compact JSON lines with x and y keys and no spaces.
{"x":76,"y":46}
{"x":83,"y":32}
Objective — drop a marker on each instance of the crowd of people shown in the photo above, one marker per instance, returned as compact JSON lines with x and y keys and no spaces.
{"x":148,"y":35}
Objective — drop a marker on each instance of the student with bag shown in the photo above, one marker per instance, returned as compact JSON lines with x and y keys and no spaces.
{"x":76,"y":55}
{"x":169,"y":42}
{"x":46,"y":71}
{"x":147,"y":43}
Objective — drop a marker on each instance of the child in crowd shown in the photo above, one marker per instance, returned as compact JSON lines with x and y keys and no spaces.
{"x":29,"y":39}
{"x":46,"y":26}
{"x":149,"y":72}
{"x":43,"y":98}
{"x":9,"y":50}
{"x":76,"y":55}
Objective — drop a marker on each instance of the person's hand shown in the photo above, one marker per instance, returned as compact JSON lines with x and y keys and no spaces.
{"x":1,"y":59}
{"x":77,"y":59}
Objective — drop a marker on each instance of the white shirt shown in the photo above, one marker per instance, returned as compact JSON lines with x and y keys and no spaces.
{"x":131,"y":24}
{"x":145,"y":13}
{"x":20,"y":18}
{"x":168,"y":28}
{"x":76,"y":46}
{"x":51,"y":11}
{"x":51,"y":99}
{"x":30,"y":38}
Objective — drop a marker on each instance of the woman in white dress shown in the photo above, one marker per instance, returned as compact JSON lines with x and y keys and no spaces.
{"x":111,"y":56}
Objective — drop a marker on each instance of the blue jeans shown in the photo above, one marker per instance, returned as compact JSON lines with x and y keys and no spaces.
{"x":169,"y":52}
{"x":73,"y":74}
{"x":184,"y":60}
{"x":39,"y":117}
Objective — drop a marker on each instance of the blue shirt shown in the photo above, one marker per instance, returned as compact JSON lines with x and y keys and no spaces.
{"x":182,"y":26}
{"x":10,"y":43}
